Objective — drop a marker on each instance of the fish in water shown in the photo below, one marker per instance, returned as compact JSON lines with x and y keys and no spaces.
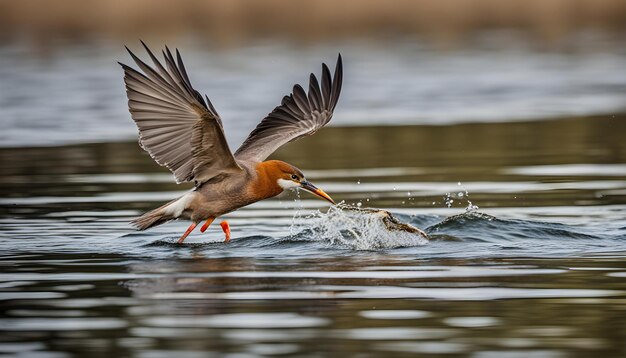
{"x":390,"y":221}
{"x":183,"y":132}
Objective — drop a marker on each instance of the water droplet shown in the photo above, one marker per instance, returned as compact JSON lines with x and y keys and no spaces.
{"x":394,"y":188}
{"x":460,"y":194}
{"x":358,"y":182}
{"x":459,"y":183}
{"x":359,"y":204}
{"x":403,"y":202}
{"x":471,"y":207}
{"x":408,"y":193}
{"x":448,"y":200}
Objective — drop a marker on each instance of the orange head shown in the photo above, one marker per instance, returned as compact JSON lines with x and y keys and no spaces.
{"x":277,"y":176}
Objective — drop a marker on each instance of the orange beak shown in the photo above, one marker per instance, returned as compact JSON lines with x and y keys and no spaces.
{"x":315,"y":190}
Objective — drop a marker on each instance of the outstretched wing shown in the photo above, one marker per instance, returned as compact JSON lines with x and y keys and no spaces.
{"x":176,"y":126}
{"x":300,"y":114}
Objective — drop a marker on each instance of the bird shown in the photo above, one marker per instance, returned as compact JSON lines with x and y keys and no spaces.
{"x":182,"y":131}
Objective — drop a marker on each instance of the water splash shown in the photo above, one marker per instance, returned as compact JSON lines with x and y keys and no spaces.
{"x":299,"y":209}
{"x":359,"y":229}
{"x":460,"y":196}
{"x":471,"y":208}
{"x":448,"y":199}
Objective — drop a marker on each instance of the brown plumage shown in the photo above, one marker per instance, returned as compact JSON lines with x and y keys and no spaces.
{"x":182,"y":131}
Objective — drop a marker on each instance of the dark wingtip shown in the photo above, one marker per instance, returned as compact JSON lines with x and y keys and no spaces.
{"x":146,"y":47}
{"x":337,"y":82}
{"x":169,"y":53}
{"x":132,"y":54}
{"x":297,"y":87}
{"x":313,"y":81}
{"x":179,"y":59}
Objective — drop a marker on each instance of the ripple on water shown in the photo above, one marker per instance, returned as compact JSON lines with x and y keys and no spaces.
{"x":269,"y":335}
{"x":20,"y":347}
{"x":471,"y":322}
{"x":273,"y":349}
{"x":534,"y":353}
{"x":24,"y":295}
{"x":238,"y":320}
{"x":60,"y":324}
{"x":433,"y":347}
{"x":397,"y":333}
{"x":394,"y":314}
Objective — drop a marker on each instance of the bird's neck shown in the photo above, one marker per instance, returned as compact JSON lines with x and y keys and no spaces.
{"x":265,"y":185}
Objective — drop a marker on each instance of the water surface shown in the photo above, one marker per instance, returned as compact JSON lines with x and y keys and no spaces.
{"x":535,"y":270}
{"x":74,"y":93}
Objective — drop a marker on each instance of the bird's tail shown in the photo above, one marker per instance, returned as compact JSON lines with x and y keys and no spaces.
{"x":162,"y":214}
{"x":152,"y":218}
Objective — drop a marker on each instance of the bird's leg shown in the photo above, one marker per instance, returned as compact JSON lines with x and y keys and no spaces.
{"x":189,"y":230}
{"x":226,"y":228}
{"x":206,"y":224}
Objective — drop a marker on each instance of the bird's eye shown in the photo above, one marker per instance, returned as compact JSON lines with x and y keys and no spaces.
{"x":294,"y":177}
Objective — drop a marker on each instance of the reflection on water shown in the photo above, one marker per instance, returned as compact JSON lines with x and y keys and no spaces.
{"x":537,"y":270}
{"x":376,"y":303}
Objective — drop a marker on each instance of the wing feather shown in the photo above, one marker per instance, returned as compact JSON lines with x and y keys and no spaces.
{"x":336,"y":88}
{"x":299,"y":114}
{"x":315,"y":97}
{"x":176,"y":126}
{"x":301,"y":99}
{"x":326,"y":85}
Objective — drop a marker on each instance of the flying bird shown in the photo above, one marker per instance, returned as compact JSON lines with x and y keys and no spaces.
{"x":182,"y":131}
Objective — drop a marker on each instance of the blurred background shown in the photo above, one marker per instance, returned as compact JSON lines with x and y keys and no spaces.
{"x":239,"y":22}
{"x":407,"y":62}
{"x":497,"y":126}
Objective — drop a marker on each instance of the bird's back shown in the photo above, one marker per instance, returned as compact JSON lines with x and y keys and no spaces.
{"x":226,"y":193}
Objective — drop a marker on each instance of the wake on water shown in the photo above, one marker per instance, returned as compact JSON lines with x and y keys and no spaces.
{"x":355,"y":228}
{"x":342,"y":226}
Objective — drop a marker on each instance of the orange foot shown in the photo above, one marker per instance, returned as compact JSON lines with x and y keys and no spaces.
{"x":206,"y":224}
{"x":189,"y":230}
{"x":226,"y":228}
